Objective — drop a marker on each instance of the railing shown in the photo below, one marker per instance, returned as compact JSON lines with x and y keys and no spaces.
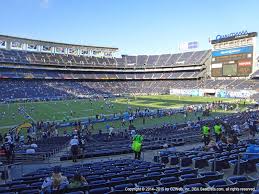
{"x":6,"y":170}
{"x":239,"y":157}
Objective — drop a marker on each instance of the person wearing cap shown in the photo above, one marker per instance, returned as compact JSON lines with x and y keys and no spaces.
{"x":74,"y":143}
{"x":77,"y":181}
{"x":54,"y":183}
{"x":137,"y":146}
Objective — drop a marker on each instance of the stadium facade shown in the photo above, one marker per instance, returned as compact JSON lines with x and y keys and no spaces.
{"x":59,"y":70}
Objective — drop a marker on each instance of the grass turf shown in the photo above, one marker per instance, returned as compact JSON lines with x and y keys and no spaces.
{"x":61,"y":110}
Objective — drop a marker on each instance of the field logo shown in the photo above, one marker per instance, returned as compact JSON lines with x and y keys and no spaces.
{"x":244,"y":32}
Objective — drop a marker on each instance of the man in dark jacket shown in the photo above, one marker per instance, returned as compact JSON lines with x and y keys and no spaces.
{"x":8,"y":147}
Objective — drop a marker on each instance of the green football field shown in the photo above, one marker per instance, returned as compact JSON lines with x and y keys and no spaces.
{"x":73,"y":110}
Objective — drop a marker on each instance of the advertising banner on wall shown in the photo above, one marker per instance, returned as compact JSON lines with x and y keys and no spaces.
{"x":2,"y":44}
{"x":16,"y":45}
{"x":235,"y":93}
{"x":247,"y":49}
{"x":32,"y":47}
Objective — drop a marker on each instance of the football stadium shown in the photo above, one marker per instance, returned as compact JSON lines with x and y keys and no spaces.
{"x":85,"y":119}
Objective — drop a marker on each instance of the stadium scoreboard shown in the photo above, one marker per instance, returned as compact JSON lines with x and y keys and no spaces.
{"x":233,"y":55}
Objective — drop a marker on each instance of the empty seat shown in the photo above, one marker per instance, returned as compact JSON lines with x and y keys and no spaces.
{"x":194,"y":187}
{"x":174,"y":160}
{"x":199,"y":162}
{"x":100,"y":190}
{"x":188,"y":171}
{"x":136,"y":178}
{"x":33,"y":191}
{"x":147,"y":183}
{"x":243,"y":181}
{"x":98,"y":183}
{"x":164,"y":159}
{"x":217,"y":183}
{"x":185,"y":176}
{"x":186,"y":161}
{"x":117,"y":180}
{"x":154,"y":175}
{"x":235,"y":179}
{"x":4,"y":188}
{"x":123,"y":186}
{"x":168,"y":179}
{"x":156,"y":169}
{"x":19,"y":186}
{"x":37,"y":184}
{"x":171,"y":172}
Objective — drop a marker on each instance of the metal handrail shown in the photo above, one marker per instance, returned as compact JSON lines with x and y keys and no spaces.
{"x":7,"y":166}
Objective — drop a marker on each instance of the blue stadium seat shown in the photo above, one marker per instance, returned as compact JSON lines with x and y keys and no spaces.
{"x":19,"y":186}
{"x":209,"y":176}
{"x":37,"y":184}
{"x":199,"y":162}
{"x":148,"y":183}
{"x":256,"y":192}
{"x":243,"y":181}
{"x":154,"y":175}
{"x":188,"y":171}
{"x":4,"y":188}
{"x":97,"y":184}
{"x":123,"y":186}
{"x":168,"y":179}
{"x":33,"y":191}
{"x":136,"y":178}
{"x":174,"y":160}
{"x":171,"y":172}
{"x":100,"y":190}
{"x":192,"y":186}
{"x":217,"y":183}
{"x":185,"y":176}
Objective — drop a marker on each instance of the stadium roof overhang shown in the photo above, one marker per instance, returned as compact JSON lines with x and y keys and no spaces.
{"x":115,"y":70}
{"x":50,"y":43}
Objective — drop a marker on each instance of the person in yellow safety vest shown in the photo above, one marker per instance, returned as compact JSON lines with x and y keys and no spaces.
{"x":217,"y":131}
{"x":137,"y":146}
{"x":206,"y":134}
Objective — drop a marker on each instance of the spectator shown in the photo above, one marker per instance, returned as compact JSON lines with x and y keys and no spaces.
{"x":137,"y":146}
{"x":65,"y":132}
{"x":74,"y":143}
{"x":21,"y":139}
{"x":213,"y":146}
{"x":206,"y":134}
{"x":82,"y":144}
{"x":217,"y":131}
{"x":252,"y":128}
{"x":30,"y":150}
{"x":110,"y":130}
{"x":8,"y":148}
{"x":34,"y":145}
{"x":123,"y":123}
{"x":133,"y":133}
{"x":56,"y":132}
{"x":54,"y":183}
{"x":233,"y":139}
{"x":77,"y":181}
{"x":1,"y":138}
